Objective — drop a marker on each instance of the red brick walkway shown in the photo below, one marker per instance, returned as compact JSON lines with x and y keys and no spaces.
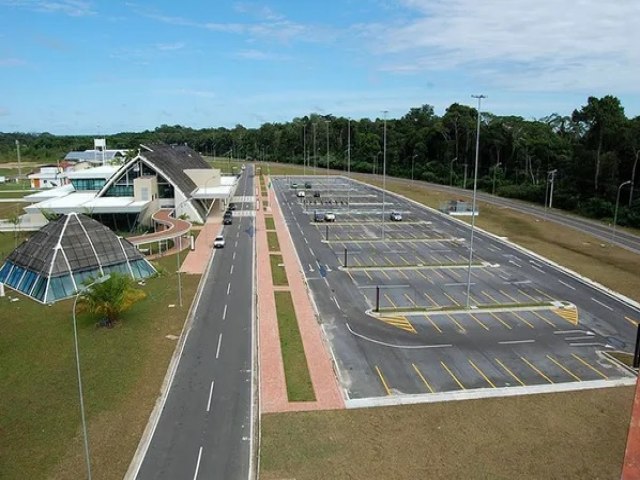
{"x":631,"y":467}
{"x":273,"y":391}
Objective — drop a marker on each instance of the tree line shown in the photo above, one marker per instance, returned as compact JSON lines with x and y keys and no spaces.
{"x":589,"y":154}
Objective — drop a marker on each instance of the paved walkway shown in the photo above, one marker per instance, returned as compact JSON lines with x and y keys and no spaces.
{"x":176,"y":227}
{"x":631,"y":466}
{"x":197,"y":259}
{"x":273,"y":391}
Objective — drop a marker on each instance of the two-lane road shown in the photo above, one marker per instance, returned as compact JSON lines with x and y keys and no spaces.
{"x":205,"y":428}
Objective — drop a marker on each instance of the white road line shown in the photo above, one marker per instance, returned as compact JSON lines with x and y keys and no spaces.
{"x":538,"y":269}
{"x":514,"y":342}
{"x":566,"y":285}
{"x":228,"y":287}
{"x":515,"y":263}
{"x":234,"y":256}
{"x":600,"y":303}
{"x":236,"y":245}
{"x":312,"y":252}
{"x":219,"y":344}
{"x":195,"y":475}
{"x":224,"y":314}
{"x":494,"y":248}
{"x":564,"y":332}
{"x":336,"y":300}
{"x":231,"y":271}
{"x":210,"y":395}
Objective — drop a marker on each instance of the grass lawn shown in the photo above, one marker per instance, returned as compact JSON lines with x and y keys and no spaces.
{"x":122,"y":370}
{"x":15,"y":194}
{"x":575,"y":435}
{"x":8,"y":208}
{"x":272,"y":239}
{"x":269,"y":223}
{"x":299,"y":387}
{"x":278,"y":272}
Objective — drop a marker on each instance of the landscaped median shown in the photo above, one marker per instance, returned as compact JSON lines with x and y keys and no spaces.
{"x":269,"y":223}
{"x":272,"y":240}
{"x":296,"y":371}
{"x":278,"y":272}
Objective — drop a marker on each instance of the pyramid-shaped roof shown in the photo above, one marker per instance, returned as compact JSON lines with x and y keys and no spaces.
{"x":58,"y":259}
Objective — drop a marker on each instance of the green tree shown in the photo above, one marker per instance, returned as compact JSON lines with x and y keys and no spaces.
{"x":111,"y":298}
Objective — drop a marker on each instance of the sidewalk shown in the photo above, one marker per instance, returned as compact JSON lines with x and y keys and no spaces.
{"x":273,"y":392}
{"x":197,"y":259}
{"x":631,"y":465}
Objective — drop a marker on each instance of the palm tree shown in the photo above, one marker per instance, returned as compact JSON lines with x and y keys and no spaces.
{"x":111,"y":297}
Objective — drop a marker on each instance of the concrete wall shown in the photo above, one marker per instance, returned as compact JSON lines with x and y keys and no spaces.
{"x":146,"y":189}
{"x":204,"y":177}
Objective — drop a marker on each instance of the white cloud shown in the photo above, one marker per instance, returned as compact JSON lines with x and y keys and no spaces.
{"x":73,"y":8}
{"x":170,"y":47}
{"x":261,"y":55}
{"x":543,"y":45}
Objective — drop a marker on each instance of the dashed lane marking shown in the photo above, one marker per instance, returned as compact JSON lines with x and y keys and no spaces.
{"x":424,"y":380}
{"x":506,"y":369}
{"x":535,"y":369}
{"x":452,"y":375}
{"x":564,"y":368}
{"x":482,"y":374}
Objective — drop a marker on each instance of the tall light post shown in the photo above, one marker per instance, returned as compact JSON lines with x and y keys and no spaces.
{"x":304,"y":149}
{"x":178,"y":273}
{"x":473,"y":203}
{"x":413,"y":162}
{"x":633,"y":177}
{"x":315,"y":152}
{"x":349,"y":164}
{"x":327,"y":122}
{"x":384,"y":168}
{"x":455,"y":159}
{"x":75,"y":341}
{"x":19,"y":163}
{"x":615,"y":215}
{"x":550,"y":174}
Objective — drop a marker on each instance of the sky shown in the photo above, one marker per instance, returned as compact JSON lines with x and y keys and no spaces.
{"x":102,"y":67}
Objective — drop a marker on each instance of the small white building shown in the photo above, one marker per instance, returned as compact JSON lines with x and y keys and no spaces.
{"x":47,"y":177}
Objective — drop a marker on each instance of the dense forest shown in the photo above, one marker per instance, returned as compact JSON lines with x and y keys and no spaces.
{"x":591,"y":153}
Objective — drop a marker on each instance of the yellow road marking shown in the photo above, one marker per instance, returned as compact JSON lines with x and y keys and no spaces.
{"x":451,"y":298}
{"x":453,"y":272}
{"x":535,"y":369}
{"x":386,"y":259}
{"x":422,"y":378}
{"x":390,"y":301}
{"x":632,"y":321}
{"x":486,"y":270}
{"x":510,"y":372}
{"x":564,"y":368}
{"x":448,"y":259}
{"x":453,"y":319}
{"x":351,"y":276}
{"x":473,"y":299}
{"x":399,"y":322}
{"x":522,"y":319}
{"x":384,"y":382}
{"x":527,"y":295}
{"x":585,"y":363}
{"x":482,"y":374}
{"x":386,"y":274}
{"x":406,"y":295}
{"x":403,"y":274}
{"x":509,"y":296}
{"x":452,"y":375}
{"x":544,"y":294}
{"x":569,"y":314}
{"x":350,"y":237}
{"x":544,"y":319}
{"x":431,"y":299}
{"x":368,"y":275}
{"x":355,"y":260}
{"x":434,"y":324}
{"x":500,"y":320}
{"x":404,"y":260}
{"x":439,"y":274}
{"x":490,"y":297}
{"x":479,"y":322}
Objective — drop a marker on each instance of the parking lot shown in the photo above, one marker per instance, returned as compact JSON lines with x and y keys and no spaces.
{"x":393,"y":302}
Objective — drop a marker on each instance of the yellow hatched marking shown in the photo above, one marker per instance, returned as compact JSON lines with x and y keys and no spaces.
{"x":452,"y":375}
{"x":404,"y":260}
{"x":535,"y":369}
{"x":453,"y":272}
{"x":406,"y":295}
{"x":451,"y":298}
{"x":517,"y":379}
{"x":479,"y":322}
{"x":399,"y":322}
{"x":509,"y":296}
{"x":384,"y":382}
{"x":424,"y":380}
{"x":522,"y":292}
{"x":569,"y":314}
{"x":390,"y":301}
{"x":453,"y":319}
{"x":482,"y":374}
{"x":500,"y":320}
{"x":544,"y":319}
{"x":586,"y":364}
{"x":631,"y":321}
{"x":564,"y":368}
{"x":522,"y":319}
{"x":544,"y":294}
{"x":431,"y":299}
{"x":434,"y":324}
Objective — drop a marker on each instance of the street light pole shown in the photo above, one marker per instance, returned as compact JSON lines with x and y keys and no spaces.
{"x":473,"y":204}
{"x":455,"y":159}
{"x":304,"y":149}
{"x":552,"y":174}
{"x":327,"y":122}
{"x":75,"y":341}
{"x":348,"y":165}
{"x":19,"y":163}
{"x":384,"y":168}
{"x":615,"y":215}
{"x":633,"y":177}
{"x":315,"y":151}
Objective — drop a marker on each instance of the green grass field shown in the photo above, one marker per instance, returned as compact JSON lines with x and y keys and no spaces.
{"x":299,"y":387}
{"x":278,"y":272}
{"x":270,"y":224}
{"x":122,"y":370}
{"x":272,"y":240}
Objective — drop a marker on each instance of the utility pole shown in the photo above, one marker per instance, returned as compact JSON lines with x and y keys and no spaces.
{"x":19,"y":163}
{"x":384,"y":167}
{"x":304,"y":149}
{"x":327,"y":122}
{"x":348,"y":170}
{"x":315,"y":151}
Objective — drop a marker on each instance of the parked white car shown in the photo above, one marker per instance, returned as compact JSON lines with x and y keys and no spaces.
{"x":301,"y":194}
{"x":329,"y":217}
{"x":218,"y":242}
{"x":396,"y":216}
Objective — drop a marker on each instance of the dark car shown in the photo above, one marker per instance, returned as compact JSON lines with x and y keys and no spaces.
{"x":316,"y":194}
{"x":232,"y":206}
{"x":318,"y":217}
{"x":228,"y":214}
{"x":227,"y":221}
{"x":307,"y":185}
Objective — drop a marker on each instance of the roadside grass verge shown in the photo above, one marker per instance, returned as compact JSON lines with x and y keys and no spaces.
{"x":122,"y":370}
{"x":278,"y":272}
{"x":9,"y":208}
{"x":299,"y":386}
{"x":623,"y":357}
{"x":270,"y":224}
{"x":272,"y":240}
{"x":15,"y":194}
{"x":531,"y":436}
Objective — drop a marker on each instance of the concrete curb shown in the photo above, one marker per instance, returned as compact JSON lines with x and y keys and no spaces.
{"x":147,"y":435}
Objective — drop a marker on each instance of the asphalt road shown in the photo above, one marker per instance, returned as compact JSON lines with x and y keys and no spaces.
{"x":205,"y":427}
{"x":421,"y":264}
